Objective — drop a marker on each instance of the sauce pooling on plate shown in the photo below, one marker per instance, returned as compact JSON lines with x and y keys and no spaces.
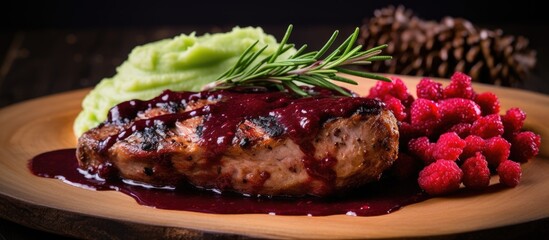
{"x":375,"y":199}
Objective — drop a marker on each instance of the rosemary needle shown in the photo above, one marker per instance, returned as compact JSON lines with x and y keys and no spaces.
{"x":304,"y":67}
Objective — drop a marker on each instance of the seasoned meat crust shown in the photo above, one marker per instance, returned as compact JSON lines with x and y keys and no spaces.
{"x":316,"y":146}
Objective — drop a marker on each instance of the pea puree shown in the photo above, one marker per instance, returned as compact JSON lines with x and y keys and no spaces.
{"x":182,"y":63}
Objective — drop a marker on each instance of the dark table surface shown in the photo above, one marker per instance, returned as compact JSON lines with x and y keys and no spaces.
{"x":40,"y":62}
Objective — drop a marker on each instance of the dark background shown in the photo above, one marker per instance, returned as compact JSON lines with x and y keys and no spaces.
{"x":77,"y":14}
{"x":55,"y":46}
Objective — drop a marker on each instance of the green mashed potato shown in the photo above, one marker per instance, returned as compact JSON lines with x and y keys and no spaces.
{"x":183,"y":63}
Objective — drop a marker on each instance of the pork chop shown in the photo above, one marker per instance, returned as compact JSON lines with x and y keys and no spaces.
{"x":254,"y":142}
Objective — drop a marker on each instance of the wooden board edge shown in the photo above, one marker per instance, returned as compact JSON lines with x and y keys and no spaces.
{"x":77,"y":225}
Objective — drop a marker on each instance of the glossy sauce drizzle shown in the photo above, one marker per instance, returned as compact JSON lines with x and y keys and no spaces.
{"x":375,"y":199}
{"x":301,"y":119}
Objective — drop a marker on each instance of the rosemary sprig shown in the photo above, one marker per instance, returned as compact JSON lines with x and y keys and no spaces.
{"x":304,"y":67}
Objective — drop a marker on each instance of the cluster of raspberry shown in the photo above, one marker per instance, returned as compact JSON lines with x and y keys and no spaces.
{"x":453,"y":135}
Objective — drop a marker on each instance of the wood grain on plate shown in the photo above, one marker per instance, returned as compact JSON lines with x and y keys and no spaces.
{"x":45,"y":124}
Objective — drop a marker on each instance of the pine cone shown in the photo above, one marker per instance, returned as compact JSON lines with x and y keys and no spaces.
{"x":438,"y":49}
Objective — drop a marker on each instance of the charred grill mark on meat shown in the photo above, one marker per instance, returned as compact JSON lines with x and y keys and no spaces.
{"x":270,"y":143}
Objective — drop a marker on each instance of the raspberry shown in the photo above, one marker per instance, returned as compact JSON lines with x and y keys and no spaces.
{"x":422,"y":148}
{"x":458,"y":110}
{"x":405,"y":167}
{"x":449,"y":146}
{"x":380,"y":90}
{"x":399,"y":90}
{"x":424,"y":115}
{"x":473,"y":145}
{"x":459,"y":87}
{"x":488,"y":126}
{"x":396,"y":88}
{"x":429,"y":89}
{"x":524,"y":146}
{"x":395,"y":105}
{"x":513,"y":120}
{"x":462,"y":129}
{"x":440,"y":177}
{"x":476,"y":174}
{"x":497,"y":150}
{"x":488,"y":102}
{"x":509,"y":173}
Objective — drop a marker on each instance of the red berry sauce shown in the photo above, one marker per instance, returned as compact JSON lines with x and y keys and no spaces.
{"x":375,"y":199}
{"x":301,"y":118}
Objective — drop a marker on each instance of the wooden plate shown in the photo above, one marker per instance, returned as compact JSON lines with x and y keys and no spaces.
{"x":45,"y":124}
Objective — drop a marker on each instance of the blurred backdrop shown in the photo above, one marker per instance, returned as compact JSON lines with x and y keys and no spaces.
{"x":85,"y":14}
{"x":56,"y":46}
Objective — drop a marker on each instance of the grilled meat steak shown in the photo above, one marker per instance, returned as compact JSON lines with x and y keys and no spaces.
{"x":268,"y":143}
